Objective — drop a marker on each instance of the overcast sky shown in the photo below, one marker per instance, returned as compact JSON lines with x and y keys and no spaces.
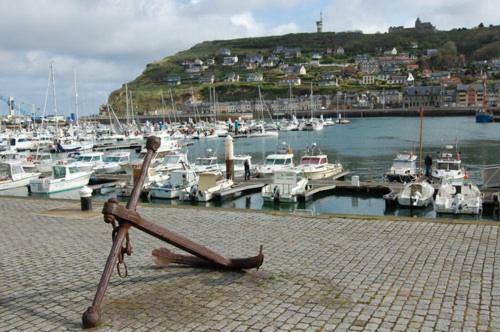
{"x":109,"y":42}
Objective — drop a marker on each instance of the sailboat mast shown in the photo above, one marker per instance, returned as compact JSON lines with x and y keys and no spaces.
{"x":173,"y":106}
{"x":76,"y":98}
{"x":421,"y":137}
{"x":54,"y":94}
{"x":311,"y":100}
{"x":126,"y":105}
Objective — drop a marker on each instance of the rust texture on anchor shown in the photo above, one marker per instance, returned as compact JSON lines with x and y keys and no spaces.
{"x":122,"y":218}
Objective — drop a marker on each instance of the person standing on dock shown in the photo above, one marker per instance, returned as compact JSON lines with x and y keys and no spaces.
{"x":428,"y":165}
{"x":247,"y":169}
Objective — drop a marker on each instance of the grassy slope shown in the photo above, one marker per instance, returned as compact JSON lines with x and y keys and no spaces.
{"x":473,"y":43}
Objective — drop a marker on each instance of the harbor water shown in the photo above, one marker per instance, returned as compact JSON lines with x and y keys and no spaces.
{"x":366,"y":148}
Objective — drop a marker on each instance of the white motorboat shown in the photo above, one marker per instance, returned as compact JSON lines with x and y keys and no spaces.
{"x":459,"y":199}
{"x":12,"y":175}
{"x":207,"y":163}
{"x":112,"y":163}
{"x":341,"y":120}
{"x":312,"y":125}
{"x":172,"y":162}
{"x":416,"y":194}
{"x":491,"y":176}
{"x":178,"y":184}
{"x":39,"y":162}
{"x":403,"y":169}
{"x":314,"y":164}
{"x":287,"y":184}
{"x":282,"y":159}
{"x":167,"y":147}
{"x":86,"y":162}
{"x":208,"y":184}
{"x":64,"y":177}
{"x":448,"y":168}
{"x":72,"y":145}
{"x":22,"y":143}
{"x":259,"y":130}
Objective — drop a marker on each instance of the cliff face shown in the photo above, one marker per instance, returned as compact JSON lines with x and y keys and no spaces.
{"x":455,"y":47}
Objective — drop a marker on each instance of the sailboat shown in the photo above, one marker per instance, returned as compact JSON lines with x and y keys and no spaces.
{"x":312,"y":123}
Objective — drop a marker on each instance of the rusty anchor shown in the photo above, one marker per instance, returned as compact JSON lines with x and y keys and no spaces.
{"x":123,"y":218}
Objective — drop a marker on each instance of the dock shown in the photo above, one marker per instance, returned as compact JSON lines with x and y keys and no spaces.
{"x":239,"y":189}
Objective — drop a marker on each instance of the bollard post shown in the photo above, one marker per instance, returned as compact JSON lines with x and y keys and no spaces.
{"x":85,"y":198}
{"x":229,"y":156}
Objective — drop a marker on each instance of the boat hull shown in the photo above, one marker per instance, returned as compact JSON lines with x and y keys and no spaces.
{"x":50,"y":186}
{"x":484,"y":118}
{"x":5,"y":185}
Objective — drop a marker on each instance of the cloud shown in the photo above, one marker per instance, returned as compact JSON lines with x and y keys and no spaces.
{"x":110,"y":41}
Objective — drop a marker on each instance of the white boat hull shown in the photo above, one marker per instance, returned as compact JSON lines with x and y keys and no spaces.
{"x":10,"y":184}
{"x":50,"y":185}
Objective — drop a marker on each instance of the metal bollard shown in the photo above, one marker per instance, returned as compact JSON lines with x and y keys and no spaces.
{"x":85,"y":198}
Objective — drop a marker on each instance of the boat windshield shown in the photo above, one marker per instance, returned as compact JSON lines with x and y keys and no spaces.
{"x":59,"y":172}
{"x":205,"y":161}
{"x":311,"y":161}
{"x":402,"y":163}
{"x":4,"y":172}
{"x":111,"y":159}
{"x":84,"y":158}
{"x":448,"y":166}
{"x":171,"y":159}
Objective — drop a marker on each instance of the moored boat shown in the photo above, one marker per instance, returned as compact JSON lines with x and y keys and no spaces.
{"x":64,"y":177}
{"x":315,"y":166}
{"x":286,"y":186}
{"x":12,"y":175}
{"x":416,"y":194}
{"x":403,"y":168}
{"x":459,"y":199}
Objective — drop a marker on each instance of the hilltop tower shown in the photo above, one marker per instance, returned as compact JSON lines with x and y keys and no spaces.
{"x":319,"y":24}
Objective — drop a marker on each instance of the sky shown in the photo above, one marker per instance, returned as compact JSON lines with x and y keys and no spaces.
{"x":109,"y":42}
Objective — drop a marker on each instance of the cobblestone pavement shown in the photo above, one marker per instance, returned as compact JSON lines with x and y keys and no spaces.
{"x":319,"y":274}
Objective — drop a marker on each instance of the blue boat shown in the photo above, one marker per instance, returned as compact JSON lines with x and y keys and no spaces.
{"x":483,"y":116}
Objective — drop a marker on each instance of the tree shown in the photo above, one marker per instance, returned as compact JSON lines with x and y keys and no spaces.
{"x":481,"y":25}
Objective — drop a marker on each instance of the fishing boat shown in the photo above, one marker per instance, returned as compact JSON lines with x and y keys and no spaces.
{"x":282,"y":159}
{"x":173,"y":162}
{"x":208,"y":184}
{"x":39,"y":162}
{"x":315,"y":166}
{"x":64,"y":177}
{"x":459,"y":199}
{"x":12,"y":175}
{"x":178,"y":184}
{"x":403,"y":169}
{"x":112,"y":163}
{"x":286,"y":186}
{"x":416,"y":194}
{"x":207,"y":163}
{"x":86,"y":162}
{"x":341,"y":120}
{"x":448,"y":167}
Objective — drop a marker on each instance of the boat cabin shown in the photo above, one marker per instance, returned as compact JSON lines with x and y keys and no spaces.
{"x":10,"y":171}
{"x":90,"y":157}
{"x":122,"y":157}
{"x":287,"y":177}
{"x":209,"y":180}
{"x":279,"y":160}
{"x":314,"y":160}
{"x":179,"y":178}
{"x":62,"y":171}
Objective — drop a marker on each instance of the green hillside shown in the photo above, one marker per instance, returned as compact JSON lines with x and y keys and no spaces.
{"x":456,"y":47}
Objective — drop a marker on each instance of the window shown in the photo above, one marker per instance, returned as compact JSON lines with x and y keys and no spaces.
{"x":59,"y":172}
{"x":73,"y":170}
{"x":269,"y":161}
{"x":4,"y":171}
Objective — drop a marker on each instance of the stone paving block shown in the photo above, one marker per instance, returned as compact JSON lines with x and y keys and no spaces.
{"x":319,"y":273}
